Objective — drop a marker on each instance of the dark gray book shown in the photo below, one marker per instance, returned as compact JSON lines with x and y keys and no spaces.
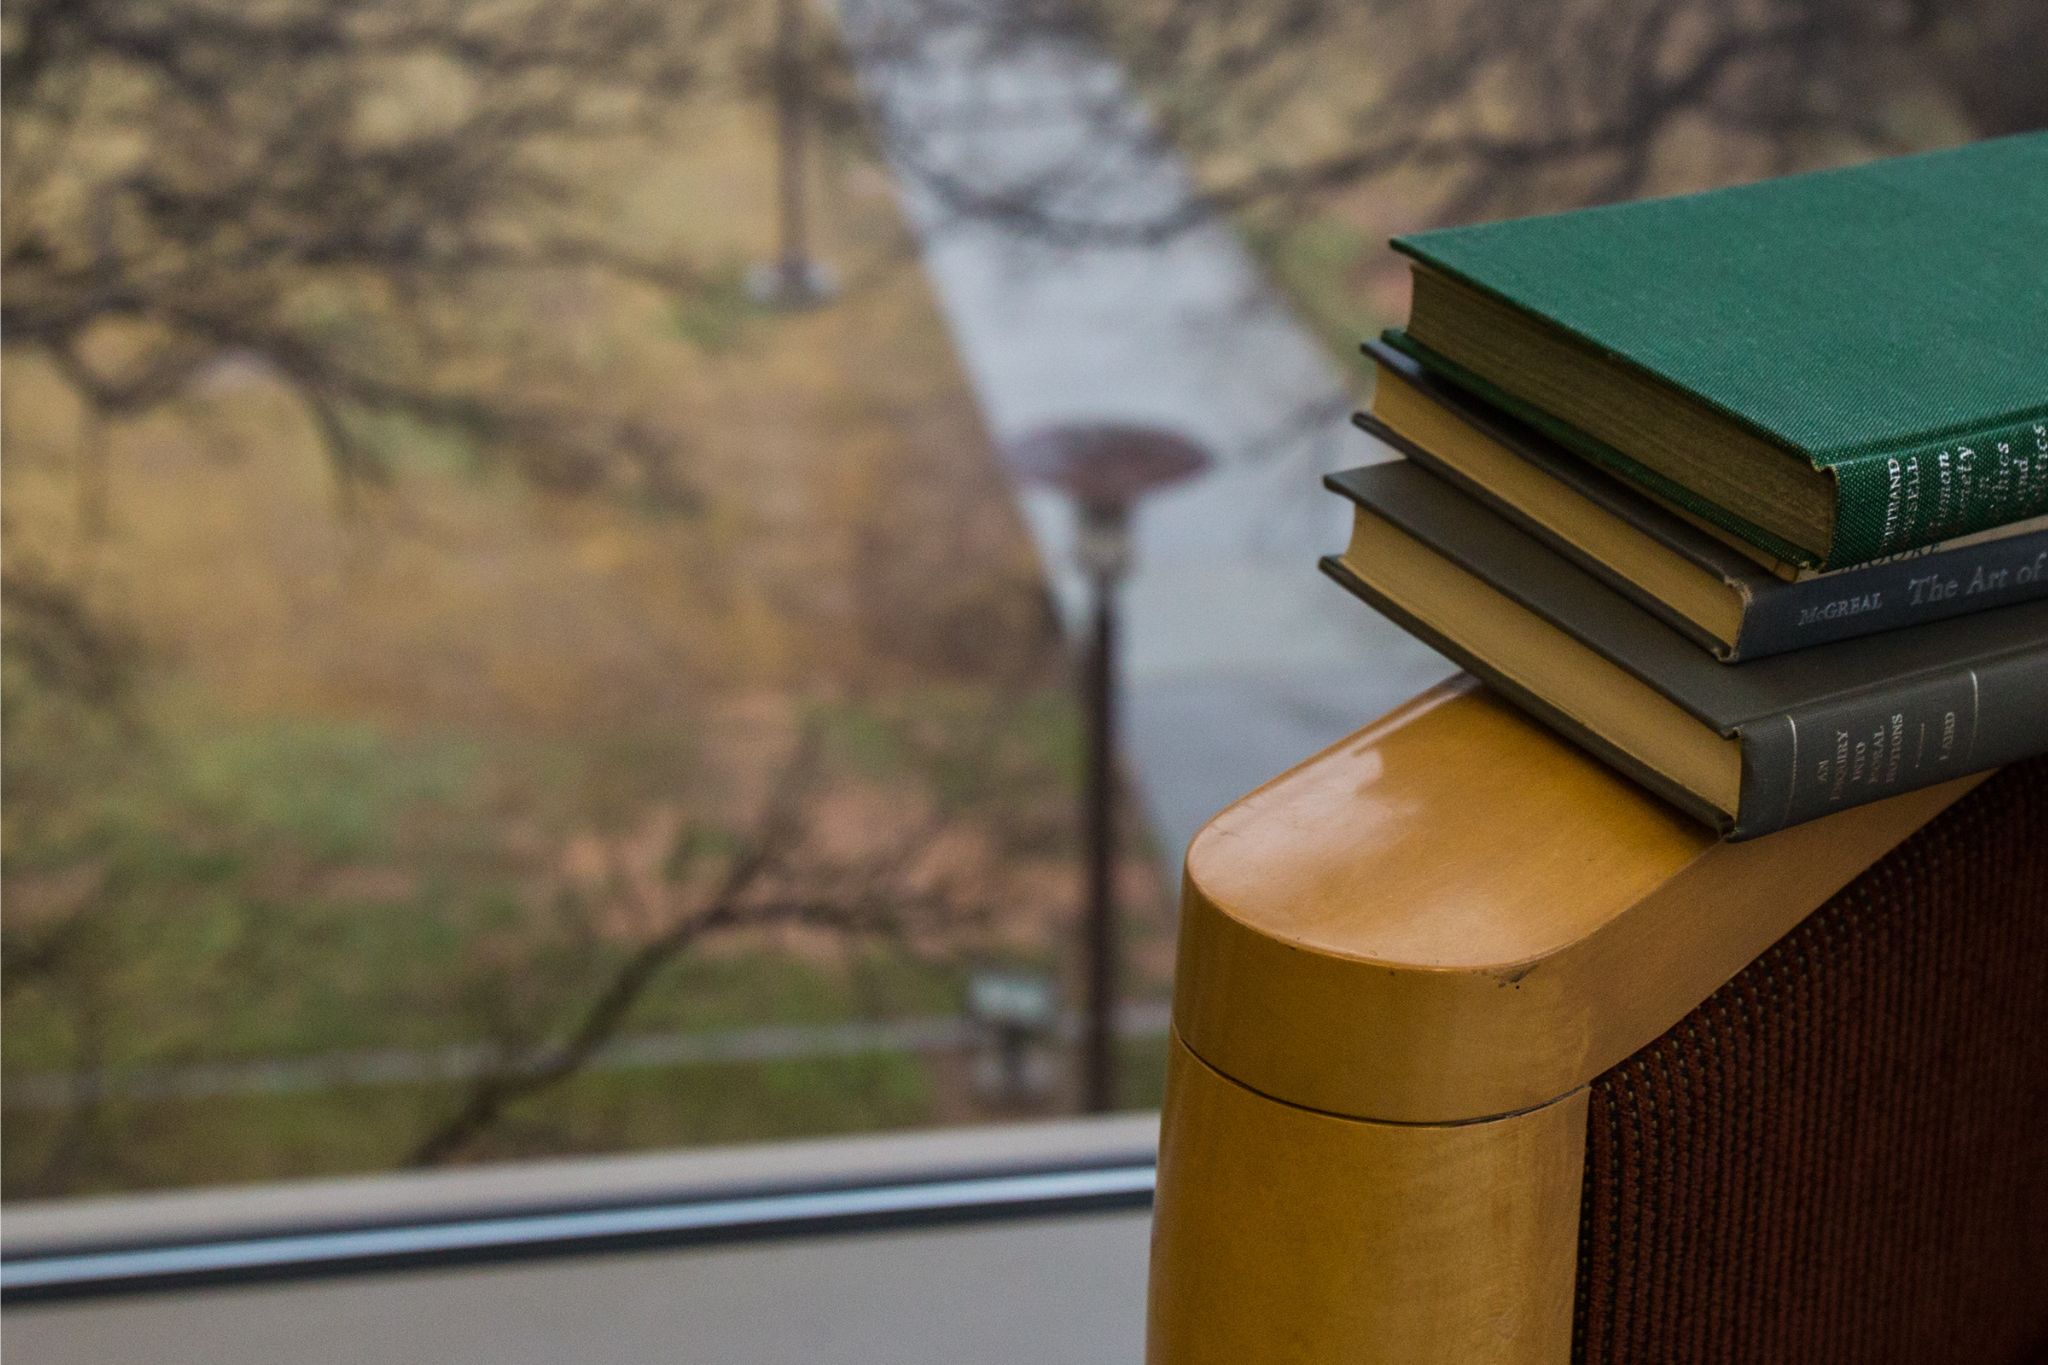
{"x":1748,"y":750}
{"x":1702,"y":585}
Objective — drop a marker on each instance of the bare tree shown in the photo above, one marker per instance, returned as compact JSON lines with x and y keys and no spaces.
{"x":343,"y":194}
{"x":1488,"y":106}
{"x":336,"y":191}
{"x":339,"y":189}
{"x":899,"y":888}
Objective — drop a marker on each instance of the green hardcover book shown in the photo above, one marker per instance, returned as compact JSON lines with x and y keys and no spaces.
{"x":1836,"y":366}
{"x":1749,"y":750}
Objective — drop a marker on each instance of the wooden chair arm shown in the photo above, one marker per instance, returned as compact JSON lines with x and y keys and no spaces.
{"x":1400,"y":965}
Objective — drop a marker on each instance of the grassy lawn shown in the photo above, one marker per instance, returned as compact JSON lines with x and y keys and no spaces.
{"x":228,"y":1139}
{"x":428,"y":765}
{"x":236,"y":1138}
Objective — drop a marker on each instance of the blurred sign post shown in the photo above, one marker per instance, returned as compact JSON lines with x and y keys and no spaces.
{"x":1016,"y":1008}
{"x":1106,"y":468}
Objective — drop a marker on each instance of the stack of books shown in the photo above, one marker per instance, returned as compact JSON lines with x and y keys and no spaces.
{"x":1746,"y":491}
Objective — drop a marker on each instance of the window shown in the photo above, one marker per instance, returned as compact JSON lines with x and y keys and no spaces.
{"x":530,"y":627}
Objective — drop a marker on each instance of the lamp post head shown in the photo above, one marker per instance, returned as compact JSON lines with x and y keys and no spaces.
{"x":1106,"y":468}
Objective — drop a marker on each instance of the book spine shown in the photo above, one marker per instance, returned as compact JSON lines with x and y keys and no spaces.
{"x":1884,"y":740}
{"x":1886,"y":503}
{"x":1908,"y":591}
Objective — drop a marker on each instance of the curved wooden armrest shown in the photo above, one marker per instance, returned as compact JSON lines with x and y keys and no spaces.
{"x":1400,"y":965}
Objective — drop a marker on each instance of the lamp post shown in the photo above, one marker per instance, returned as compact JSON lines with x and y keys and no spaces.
{"x":1106,"y":468}
{"x":793,"y":279}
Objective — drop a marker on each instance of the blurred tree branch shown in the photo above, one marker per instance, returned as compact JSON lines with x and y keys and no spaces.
{"x":779,"y":874}
{"x":336,"y":191}
{"x":1508,"y":107}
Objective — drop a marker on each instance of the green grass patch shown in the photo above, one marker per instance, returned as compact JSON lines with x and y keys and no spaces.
{"x":334,"y":788}
{"x":713,"y":317}
{"x":238,"y":1139}
{"x":287,"y":886}
{"x":970,"y":749}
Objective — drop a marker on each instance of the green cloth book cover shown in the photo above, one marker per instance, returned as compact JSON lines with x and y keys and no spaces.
{"x":1887,"y":323}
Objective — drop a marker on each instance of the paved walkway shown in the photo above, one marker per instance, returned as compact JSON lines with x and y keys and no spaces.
{"x":1240,"y":658}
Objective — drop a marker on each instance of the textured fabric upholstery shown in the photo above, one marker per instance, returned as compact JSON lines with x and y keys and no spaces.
{"x":1843,"y":1154}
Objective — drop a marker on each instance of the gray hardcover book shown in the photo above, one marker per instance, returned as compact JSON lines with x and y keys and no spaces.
{"x":1774,"y":616}
{"x":1802,"y":734}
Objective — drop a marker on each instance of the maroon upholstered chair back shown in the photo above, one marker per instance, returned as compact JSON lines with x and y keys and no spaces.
{"x":1842,"y":1155}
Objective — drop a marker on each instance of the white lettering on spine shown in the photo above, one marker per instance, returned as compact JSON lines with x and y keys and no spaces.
{"x":1841,"y":607}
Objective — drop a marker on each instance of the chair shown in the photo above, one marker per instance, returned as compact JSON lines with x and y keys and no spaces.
{"x":1483,"y":1055}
